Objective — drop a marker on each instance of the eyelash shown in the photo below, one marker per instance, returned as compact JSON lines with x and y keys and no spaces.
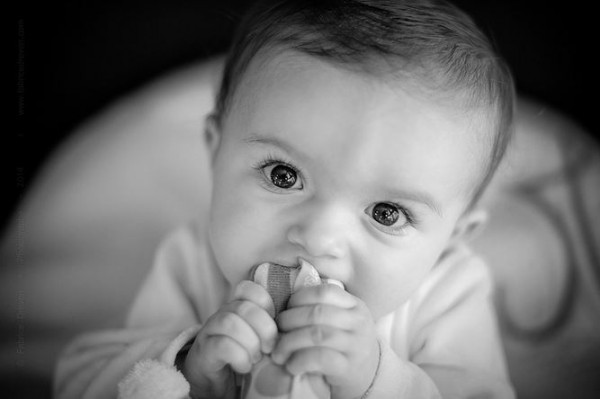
{"x":271,"y":160}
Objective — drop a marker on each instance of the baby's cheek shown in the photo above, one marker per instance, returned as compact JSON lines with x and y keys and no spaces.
{"x":242,"y":245}
{"x":228,"y":251}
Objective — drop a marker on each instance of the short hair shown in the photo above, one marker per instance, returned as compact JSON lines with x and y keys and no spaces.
{"x":432,"y":41}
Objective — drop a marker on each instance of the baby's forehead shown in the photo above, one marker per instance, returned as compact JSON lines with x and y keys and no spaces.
{"x":273,"y":74}
{"x":269,"y":64}
{"x":267,"y":69}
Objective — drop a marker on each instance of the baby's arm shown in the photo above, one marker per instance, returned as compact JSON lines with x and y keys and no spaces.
{"x":455,"y":348}
{"x":94,"y":364}
{"x":455,"y":338}
{"x":161,"y":321}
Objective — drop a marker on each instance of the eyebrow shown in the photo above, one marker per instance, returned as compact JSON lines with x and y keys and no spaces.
{"x":420,"y":197}
{"x":273,"y":141}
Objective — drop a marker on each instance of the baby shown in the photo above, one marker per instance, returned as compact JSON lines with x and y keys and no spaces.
{"x":355,"y":136}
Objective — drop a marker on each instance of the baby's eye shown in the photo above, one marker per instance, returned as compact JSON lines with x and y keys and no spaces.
{"x":389,"y":217}
{"x":282,"y":176}
{"x":385,"y":214}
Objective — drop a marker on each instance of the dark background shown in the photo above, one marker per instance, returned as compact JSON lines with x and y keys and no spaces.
{"x":75,"y":57}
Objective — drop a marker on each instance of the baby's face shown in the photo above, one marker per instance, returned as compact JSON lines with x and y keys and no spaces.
{"x":360,"y":178}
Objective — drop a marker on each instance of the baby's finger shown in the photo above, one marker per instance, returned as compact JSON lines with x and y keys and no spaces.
{"x":309,"y":337}
{"x":231,"y":325}
{"x":324,"y":293}
{"x":248,"y":290}
{"x":220,"y":350}
{"x":326,"y":361}
{"x":319,"y":314}
{"x":258,"y":319}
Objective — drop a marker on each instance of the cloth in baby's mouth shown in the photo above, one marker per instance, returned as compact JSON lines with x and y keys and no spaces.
{"x":282,"y":281}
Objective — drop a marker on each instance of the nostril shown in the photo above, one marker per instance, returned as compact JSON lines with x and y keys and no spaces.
{"x":323,"y":233}
{"x":318,"y":244}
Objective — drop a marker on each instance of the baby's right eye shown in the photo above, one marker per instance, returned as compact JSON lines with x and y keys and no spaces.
{"x":281,"y":175}
{"x":385,"y":214}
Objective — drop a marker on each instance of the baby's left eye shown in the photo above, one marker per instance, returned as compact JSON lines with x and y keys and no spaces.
{"x":389,"y":217}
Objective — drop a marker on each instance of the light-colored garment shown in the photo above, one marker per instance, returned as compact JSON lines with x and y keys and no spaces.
{"x":446,"y":331}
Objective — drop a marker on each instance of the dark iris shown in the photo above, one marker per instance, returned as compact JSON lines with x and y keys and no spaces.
{"x":385,"y":214}
{"x":283,"y":176}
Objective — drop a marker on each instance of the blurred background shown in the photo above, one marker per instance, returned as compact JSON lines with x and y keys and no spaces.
{"x":72,"y":59}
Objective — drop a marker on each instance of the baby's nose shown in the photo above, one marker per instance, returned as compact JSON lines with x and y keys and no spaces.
{"x":322,"y":232}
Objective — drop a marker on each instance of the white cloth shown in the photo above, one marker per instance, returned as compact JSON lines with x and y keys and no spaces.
{"x":446,"y":332}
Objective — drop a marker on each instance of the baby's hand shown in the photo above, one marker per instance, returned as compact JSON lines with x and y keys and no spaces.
{"x":232,"y":340}
{"x":326,"y":330}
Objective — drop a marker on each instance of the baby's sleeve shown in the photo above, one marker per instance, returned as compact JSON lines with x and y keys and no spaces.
{"x":141,"y":356}
{"x":454,"y":335}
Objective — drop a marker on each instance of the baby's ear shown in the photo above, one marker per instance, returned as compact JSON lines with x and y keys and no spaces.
{"x":469,"y":225}
{"x":212,"y":134}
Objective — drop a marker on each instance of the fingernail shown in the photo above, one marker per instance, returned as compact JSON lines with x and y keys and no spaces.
{"x":276,"y":357}
{"x":238,"y":289}
{"x":269,"y":346}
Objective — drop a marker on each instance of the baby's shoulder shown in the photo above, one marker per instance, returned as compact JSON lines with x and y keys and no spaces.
{"x":459,"y":279}
{"x":184,"y":251}
{"x":186,"y":237}
{"x":461,"y":264}
{"x":459,"y":273}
